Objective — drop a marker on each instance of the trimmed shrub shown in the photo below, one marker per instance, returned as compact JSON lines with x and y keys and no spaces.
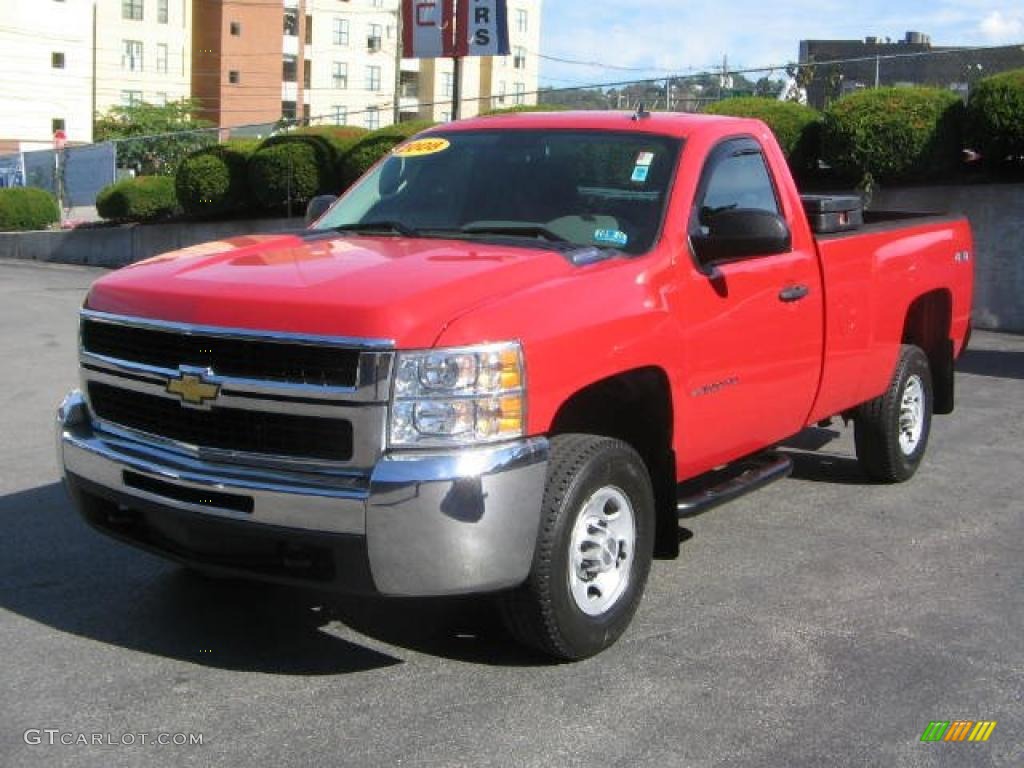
{"x":995,"y":119}
{"x":894,"y":133}
{"x":145,"y":198}
{"x":26,"y":208}
{"x":526,"y":108}
{"x":214,"y":181}
{"x":372,"y":147}
{"x":284,"y":170}
{"x":328,"y":143}
{"x":796,"y":127}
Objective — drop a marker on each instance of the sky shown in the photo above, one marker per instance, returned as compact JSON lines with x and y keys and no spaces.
{"x":647,"y":38}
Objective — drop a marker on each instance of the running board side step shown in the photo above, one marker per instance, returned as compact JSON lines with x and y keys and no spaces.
{"x":731,"y":482}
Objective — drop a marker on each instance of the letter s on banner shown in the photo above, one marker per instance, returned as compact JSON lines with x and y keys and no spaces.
{"x":428,"y":29}
{"x":482,"y":28}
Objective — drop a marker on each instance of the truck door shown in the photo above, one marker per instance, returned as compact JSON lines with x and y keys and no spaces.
{"x":752,"y":324}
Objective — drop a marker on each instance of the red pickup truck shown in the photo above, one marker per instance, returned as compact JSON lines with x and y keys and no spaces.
{"x":490,"y":366}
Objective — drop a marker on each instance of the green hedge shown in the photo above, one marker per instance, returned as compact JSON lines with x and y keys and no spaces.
{"x":285,"y":170}
{"x":904,"y":134}
{"x":328,"y":142}
{"x":145,"y":198}
{"x":525,"y":108}
{"x":374,"y":145}
{"x":214,"y":181}
{"x":995,"y":119}
{"x":25,"y":208}
{"x":796,"y":127}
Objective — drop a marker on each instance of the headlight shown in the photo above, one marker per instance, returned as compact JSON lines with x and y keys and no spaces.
{"x":458,"y":396}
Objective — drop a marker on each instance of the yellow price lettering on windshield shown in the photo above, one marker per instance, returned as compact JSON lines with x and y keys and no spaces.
{"x":421,"y":147}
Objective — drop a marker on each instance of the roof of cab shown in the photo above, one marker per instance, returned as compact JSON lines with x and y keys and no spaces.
{"x":680,"y":124}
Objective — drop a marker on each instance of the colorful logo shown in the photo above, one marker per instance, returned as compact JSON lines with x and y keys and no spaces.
{"x":958,"y":730}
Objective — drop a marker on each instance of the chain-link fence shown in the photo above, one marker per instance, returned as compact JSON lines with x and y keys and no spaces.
{"x":825,"y":72}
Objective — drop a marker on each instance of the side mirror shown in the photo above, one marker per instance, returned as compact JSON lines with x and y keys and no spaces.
{"x":318,"y":206}
{"x":737,"y":233}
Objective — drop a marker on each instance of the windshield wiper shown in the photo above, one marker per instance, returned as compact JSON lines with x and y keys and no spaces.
{"x":387,"y":226}
{"x":515,"y":229}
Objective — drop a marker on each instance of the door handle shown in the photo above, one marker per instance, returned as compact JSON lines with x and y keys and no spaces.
{"x":793,"y":293}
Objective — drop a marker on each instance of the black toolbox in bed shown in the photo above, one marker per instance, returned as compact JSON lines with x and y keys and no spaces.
{"x":833,"y":213}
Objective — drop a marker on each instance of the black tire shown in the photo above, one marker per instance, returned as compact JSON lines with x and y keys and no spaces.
{"x":877,"y":423}
{"x":542,"y":613}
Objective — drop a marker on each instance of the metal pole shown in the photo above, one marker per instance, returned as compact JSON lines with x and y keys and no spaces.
{"x":876,"y":70}
{"x":456,"y":87}
{"x":397,"y":117}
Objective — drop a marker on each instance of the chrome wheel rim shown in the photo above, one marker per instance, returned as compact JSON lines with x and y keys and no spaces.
{"x":601,"y":550}
{"x":911,"y":415}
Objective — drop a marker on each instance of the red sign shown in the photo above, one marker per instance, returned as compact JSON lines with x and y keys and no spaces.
{"x":428,"y":29}
{"x":59,"y":139}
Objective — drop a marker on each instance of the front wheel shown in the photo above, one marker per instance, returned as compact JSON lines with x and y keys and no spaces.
{"x":891,"y":431}
{"x":593,"y":553}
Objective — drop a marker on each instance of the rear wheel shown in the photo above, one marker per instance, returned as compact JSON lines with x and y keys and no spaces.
{"x":593,"y":551}
{"x":891,"y":432}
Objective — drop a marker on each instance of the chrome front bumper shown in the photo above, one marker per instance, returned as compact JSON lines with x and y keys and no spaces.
{"x":432,"y":523}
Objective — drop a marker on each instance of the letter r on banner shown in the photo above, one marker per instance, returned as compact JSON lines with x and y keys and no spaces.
{"x":482,"y":28}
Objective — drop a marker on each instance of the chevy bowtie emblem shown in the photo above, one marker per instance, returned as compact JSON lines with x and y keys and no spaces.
{"x":193,"y":389}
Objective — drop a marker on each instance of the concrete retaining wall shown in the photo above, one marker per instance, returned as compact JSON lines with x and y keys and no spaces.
{"x":117,"y":246}
{"x":996,"y":213}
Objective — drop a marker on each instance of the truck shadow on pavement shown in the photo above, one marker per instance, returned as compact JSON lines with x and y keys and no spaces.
{"x":812,"y":464}
{"x":999,"y":363}
{"x":58,"y":572}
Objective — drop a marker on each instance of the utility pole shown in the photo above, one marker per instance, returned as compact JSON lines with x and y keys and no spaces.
{"x":398,"y":65}
{"x":876,"y":70}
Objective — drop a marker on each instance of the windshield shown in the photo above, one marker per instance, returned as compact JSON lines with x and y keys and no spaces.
{"x":564,"y":188}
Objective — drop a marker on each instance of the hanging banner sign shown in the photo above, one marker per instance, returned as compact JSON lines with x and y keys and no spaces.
{"x":428,"y":29}
{"x":482,"y":28}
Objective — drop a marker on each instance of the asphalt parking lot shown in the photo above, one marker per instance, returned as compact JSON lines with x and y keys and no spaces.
{"x":821,"y":622}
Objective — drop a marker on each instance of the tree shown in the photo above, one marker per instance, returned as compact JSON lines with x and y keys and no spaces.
{"x":152,"y":139}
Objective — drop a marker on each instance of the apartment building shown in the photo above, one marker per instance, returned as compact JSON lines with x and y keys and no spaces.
{"x":47,"y":79}
{"x":353,"y":49}
{"x":246,"y":59}
{"x":143,"y":51}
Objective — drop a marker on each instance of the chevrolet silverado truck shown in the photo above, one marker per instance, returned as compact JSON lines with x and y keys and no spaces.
{"x":506,"y":361}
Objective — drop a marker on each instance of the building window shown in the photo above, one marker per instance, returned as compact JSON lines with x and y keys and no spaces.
{"x":339,"y":75}
{"x":378,"y":3}
{"x":341,"y":31}
{"x":131,"y":57}
{"x":373,"y":38}
{"x":290,"y":70}
{"x":161,"y":11}
{"x":372,"y":121}
{"x":307,"y":74}
{"x":309,"y":30}
{"x":131,"y":98}
{"x":57,"y":124}
{"x":233,"y":77}
{"x":446,"y":117}
{"x":339,"y":115}
{"x":288,"y":110}
{"x":373,"y":78}
{"x":57,"y":60}
{"x":291,"y":22}
{"x":447,"y":84}
{"x":521,"y":21}
{"x":161,"y":98}
{"x":236,"y":28}
{"x":161,"y":57}
{"x":519,"y":59}
{"x":502,"y":90}
{"x":520,"y":93}
{"x":131,"y":9}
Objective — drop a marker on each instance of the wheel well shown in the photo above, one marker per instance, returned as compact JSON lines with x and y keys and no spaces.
{"x":635,"y":407}
{"x":927,"y":325}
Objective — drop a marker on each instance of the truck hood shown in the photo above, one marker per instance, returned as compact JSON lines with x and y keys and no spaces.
{"x":403,"y":289}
